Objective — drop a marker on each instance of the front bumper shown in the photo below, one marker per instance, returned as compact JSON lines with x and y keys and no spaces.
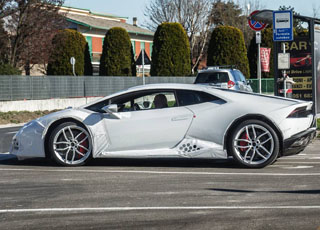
{"x":298,"y":142}
{"x":28,"y":142}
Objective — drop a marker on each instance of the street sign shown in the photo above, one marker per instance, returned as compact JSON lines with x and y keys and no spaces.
{"x":72,"y":61}
{"x":282,"y":25}
{"x":283,"y":60}
{"x":258,"y":37}
{"x":255,"y":25}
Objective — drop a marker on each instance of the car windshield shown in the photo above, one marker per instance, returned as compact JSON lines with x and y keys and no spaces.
{"x":238,"y":76}
{"x":213,"y":77}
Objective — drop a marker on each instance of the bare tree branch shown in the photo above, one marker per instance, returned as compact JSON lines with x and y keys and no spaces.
{"x":191,"y":14}
{"x":30,"y":25}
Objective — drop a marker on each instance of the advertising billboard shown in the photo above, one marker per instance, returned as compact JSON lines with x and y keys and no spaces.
{"x":317,"y":63}
{"x":300,"y":67}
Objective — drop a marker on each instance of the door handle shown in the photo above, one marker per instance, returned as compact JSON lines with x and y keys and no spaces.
{"x":180,"y":118}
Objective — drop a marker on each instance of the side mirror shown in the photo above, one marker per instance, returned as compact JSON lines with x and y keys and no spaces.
{"x":112,"y":110}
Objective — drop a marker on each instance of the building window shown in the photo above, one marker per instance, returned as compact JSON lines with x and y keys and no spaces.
{"x":133,"y":47}
{"x":89,"y":40}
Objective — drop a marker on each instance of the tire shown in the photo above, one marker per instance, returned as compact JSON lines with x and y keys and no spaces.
{"x":70,"y":144}
{"x":253,"y":144}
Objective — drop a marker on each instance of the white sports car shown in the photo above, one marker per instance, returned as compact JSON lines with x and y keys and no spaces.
{"x":172,"y":120}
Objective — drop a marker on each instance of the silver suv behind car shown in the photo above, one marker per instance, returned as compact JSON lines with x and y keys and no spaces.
{"x":224,"y":77}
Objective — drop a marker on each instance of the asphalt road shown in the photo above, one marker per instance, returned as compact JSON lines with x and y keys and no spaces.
{"x":160,"y":194}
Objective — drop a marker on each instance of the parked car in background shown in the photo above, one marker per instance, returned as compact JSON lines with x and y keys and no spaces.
{"x":223,"y":77}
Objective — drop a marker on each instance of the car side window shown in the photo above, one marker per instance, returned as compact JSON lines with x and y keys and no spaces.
{"x":145,"y":100}
{"x":191,"y":97}
{"x":212,"y":77}
{"x":238,"y":76}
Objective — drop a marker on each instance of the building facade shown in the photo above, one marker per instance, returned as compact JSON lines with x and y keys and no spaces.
{"x":94,"y":27}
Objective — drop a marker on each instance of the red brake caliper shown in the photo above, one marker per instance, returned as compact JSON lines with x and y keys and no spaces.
{"x":84,"y":144}
{"x":244,"y":143}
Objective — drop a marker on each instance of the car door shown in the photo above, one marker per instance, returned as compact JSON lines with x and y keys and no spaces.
{"x":142,"y":126}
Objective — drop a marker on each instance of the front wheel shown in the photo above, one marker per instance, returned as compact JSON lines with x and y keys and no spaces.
{"x":254,"y":144}
{"x":70,"y":144}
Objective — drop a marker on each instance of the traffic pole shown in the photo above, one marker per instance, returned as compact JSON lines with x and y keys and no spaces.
{"x":143,"y":78}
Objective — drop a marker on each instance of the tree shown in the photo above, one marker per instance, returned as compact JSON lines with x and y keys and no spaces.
{"x":4,"y":44}
{"x":116,"y":58}
{"x":226,"y":47}
{"x":66,"y":44}
{"x":88,"y":69}
{"x":31,"y":24}
{"x":171,"y":51}
{"x":133,"y":63}
{"x":191,"y":14}
{"x":6,"y":69}
{"x":267,"y":42}
{"x":229,"y":13}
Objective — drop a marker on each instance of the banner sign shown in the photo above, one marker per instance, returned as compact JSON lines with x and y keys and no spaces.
{"x":265,"y":59}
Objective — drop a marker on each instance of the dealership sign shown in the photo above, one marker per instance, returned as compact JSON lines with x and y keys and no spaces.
{"x":282,"y":25}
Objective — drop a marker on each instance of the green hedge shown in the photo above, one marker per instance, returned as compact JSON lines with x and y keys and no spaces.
{"x":171,"y":51}
{"x":227,"y":47}
{"x":6,"y":69}
{"x":116,"y":58}
{"x":66,"y":44}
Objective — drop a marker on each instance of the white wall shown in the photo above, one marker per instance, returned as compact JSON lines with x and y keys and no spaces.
{"x":41,"y":105}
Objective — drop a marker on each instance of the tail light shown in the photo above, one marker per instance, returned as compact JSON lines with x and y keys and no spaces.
{"x":230,"y":84}
{"x":300,"y":112}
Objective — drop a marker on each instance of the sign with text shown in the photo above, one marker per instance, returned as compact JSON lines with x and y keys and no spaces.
{"x":265,"y":59}
{"x":300,"y":67}
{"x":282,"y":25}
{"x":317,"y":63}
{"x":283,"y":61}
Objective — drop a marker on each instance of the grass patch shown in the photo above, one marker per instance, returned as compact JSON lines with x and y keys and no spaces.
{"x":21,"y":117}
{"x":318,"y":123}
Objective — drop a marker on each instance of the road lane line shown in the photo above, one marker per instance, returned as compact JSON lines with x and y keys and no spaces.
{"x":11,"y":132}
{"x":161,"y":172}
{"x":99,"y":209}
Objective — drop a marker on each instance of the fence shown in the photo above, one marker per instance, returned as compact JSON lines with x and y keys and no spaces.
{"x":14,"y":88}
{"x":267,"y":85}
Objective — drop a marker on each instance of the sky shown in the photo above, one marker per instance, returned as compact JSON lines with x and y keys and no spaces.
{"x":135,"y":8}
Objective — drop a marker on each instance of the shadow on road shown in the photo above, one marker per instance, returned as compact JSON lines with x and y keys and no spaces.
{"x":116,"y":162}
{"x":252,"y":191}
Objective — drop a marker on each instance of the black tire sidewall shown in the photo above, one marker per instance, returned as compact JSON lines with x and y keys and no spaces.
{"x":51,"y":150}
{"x":274,"y":154}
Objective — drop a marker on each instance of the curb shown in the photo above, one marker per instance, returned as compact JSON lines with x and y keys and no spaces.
{"x":11,"y":125}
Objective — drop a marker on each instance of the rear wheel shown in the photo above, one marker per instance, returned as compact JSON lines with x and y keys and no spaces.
{"x":254,"y":144}
{"x":70,"y":144}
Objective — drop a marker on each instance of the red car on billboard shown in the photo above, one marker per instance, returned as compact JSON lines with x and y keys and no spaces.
{"x":301,"y":60}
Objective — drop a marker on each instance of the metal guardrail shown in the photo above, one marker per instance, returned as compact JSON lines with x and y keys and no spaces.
{"x":14,"y":88}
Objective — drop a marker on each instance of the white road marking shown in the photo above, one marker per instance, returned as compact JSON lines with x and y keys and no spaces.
{"x":11,"y":132}
{"x":160,"y":172}
{"x":298,"y":162}
{"x":298,"y":167}
{"x":99,"y":209}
